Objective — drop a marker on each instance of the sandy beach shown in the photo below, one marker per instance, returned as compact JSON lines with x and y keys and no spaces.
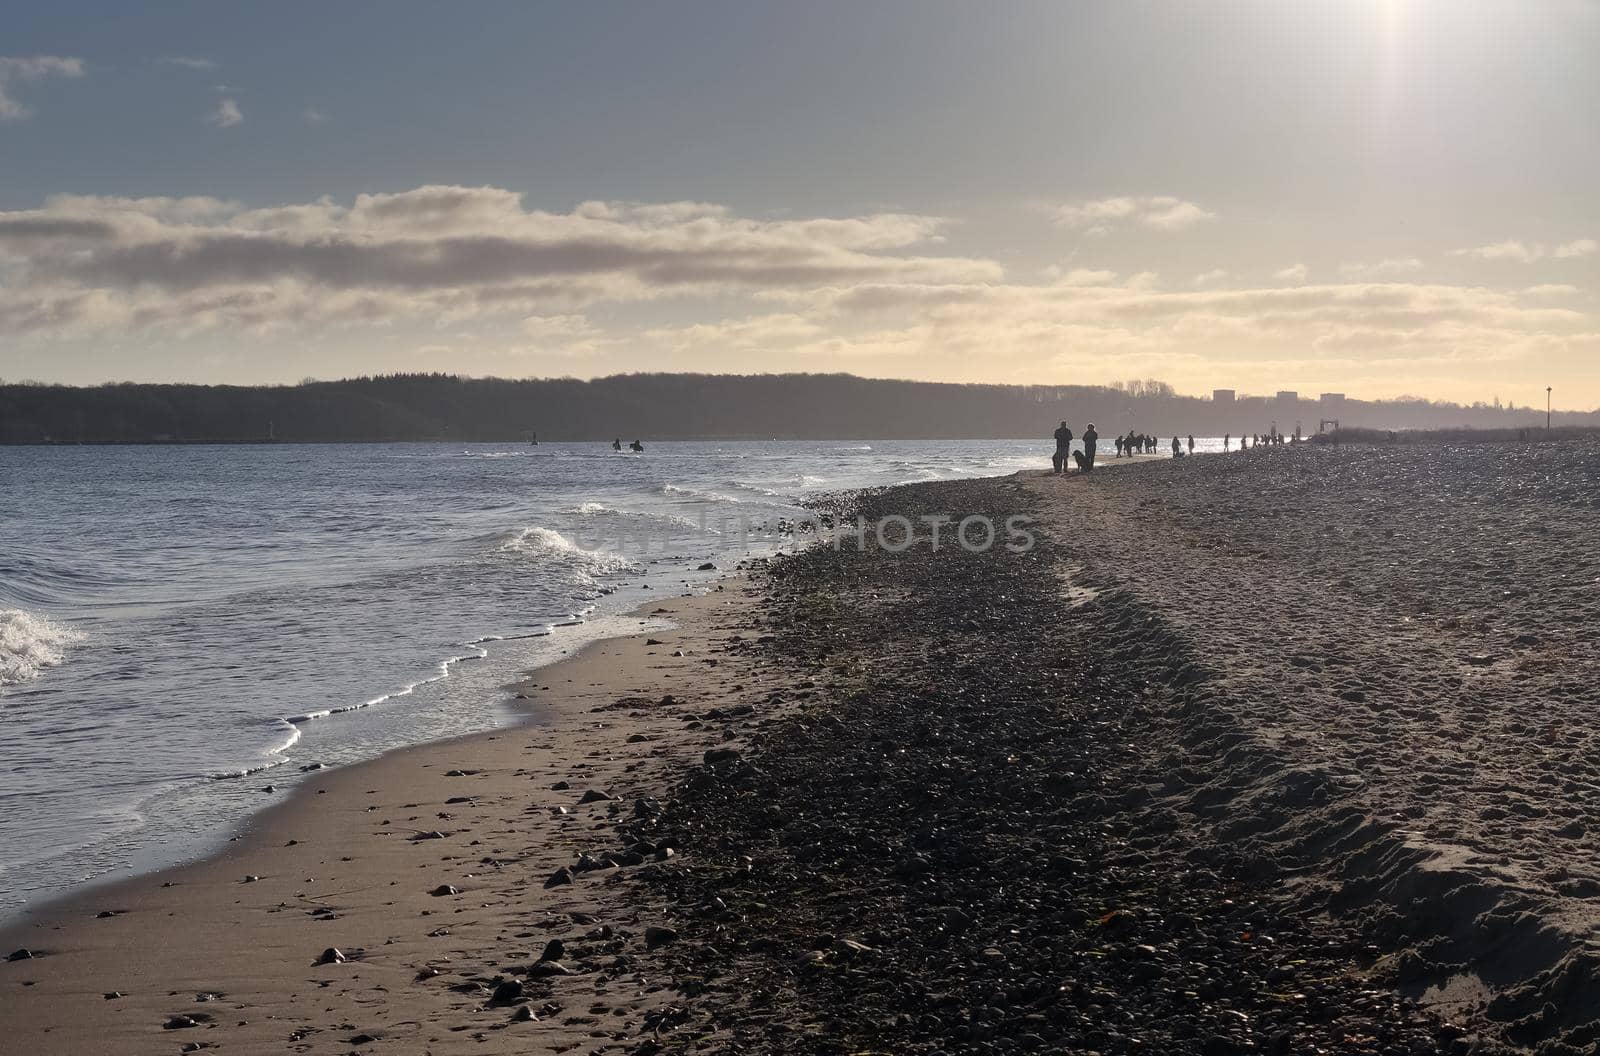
{"x":427,"y":870}
{"x":1281,"y":752}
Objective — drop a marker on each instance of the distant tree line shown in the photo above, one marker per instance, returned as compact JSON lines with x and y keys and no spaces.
{"x":682,"y":406}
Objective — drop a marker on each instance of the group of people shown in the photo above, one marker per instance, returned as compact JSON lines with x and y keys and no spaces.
{"x":1140,"y":444}
{"x":1128,"y":444}
{"x":1064,"y":455}
{"x":636,"y":446}
{"x":1273,"y":437}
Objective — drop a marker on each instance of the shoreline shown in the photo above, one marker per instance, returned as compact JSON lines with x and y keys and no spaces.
{"x":1080,"y":796}
{"x":518,"y":713}
{"x":118,"y":936}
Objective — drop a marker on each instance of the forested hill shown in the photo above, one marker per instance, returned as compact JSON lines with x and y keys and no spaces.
{"x":676,"y":406}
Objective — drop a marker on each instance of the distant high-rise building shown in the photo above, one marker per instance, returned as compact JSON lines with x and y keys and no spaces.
{"x":1222,"y":395}
{"x":1287,"y":396}
{"x":1332,"y":399}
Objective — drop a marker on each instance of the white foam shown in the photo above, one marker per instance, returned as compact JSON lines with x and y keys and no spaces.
{"x":29,"y":644}
{"x":551,"y":544}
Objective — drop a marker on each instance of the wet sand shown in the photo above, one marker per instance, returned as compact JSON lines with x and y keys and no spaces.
{"x":223,"y":954}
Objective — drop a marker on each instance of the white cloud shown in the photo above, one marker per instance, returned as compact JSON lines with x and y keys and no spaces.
{"x":226,"y":115}
{"x":82,"y":264}
{"x":17,"y":69}
{"x":1528,"y":252}
{"x":1208,"y":278}
{"x":1388,"y":267}
{"x":866,"y":291}
{"x":1101,"y":215}
{"x":1293,"y":273}
{"x":188,"y":62}
{"x":981,"y":328}
{"x":1079,"y":276}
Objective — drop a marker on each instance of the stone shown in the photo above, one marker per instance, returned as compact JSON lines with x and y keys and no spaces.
{"x":508,"y":992}
{"x":656,"y":936}
{"x":548,"y":968}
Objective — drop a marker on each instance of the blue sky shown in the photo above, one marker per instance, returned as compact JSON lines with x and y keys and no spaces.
{"x":1380,"y":196}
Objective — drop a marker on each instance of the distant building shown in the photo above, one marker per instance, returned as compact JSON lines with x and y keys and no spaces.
{"x":1332,"y":399}
{"x":1288,"y":396}
{"x":1222,"y":395}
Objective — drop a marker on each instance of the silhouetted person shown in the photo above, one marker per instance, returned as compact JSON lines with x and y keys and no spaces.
{"x":616,"y":445}
{"x":1090,"y":437}
{"x":636,"y":446}
{"x":1060,"y":460}
{"x":1177,"y":448}
{"x":1191,"y":443}
{"x":1119,"y":445}
{"x":1225,"y":438}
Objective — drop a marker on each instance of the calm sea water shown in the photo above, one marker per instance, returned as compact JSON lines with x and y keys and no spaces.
{"x":182,"y":626}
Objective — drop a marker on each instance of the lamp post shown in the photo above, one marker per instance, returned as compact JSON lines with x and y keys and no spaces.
{"x":1547,"y":410}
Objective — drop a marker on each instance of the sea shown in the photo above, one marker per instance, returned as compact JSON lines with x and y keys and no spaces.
{"x":183,"y":627}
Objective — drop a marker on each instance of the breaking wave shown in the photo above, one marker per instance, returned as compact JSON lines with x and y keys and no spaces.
{"x":29,"y":644}
{"x":549,"y":544}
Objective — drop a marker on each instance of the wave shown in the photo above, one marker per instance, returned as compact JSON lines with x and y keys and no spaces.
{"x":29,"y":644}
{"x":599,"y":510}
{"x":696,"y":495}
{"x":549,"y":544}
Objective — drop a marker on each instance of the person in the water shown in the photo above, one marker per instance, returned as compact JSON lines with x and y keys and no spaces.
{"x":636,"y":446}
{"x":616,"y":445}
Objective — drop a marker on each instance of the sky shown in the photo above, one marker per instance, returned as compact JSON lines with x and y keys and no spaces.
{"x":1377,"y":197}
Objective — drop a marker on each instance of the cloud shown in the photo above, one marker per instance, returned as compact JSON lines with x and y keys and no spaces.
{"x":1527,"y":253}
{"x":709,"y":286}
{"x":1101,"y":215}
{"x":314,"y":116}
{"x":1210,"y":278}
{"x":1080,"y":276}
{"x":79,"y":264}
{"x":18,"y":69}
{"x":982,"y":328}
{"x":188,"y":62}
{"x":1293,"y":273}
{"x":1388,"y":267}
{"x":226,"y":115}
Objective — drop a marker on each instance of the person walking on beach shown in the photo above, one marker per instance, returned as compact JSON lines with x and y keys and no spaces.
{"x":1191,"y":443}
{"x":1225,"y":438}
{"x":1061,"y":459}
{"x":1177,"y":448}
{"x":1090,"y":437}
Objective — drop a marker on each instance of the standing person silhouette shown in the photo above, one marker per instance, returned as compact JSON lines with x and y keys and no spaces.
{"x":1089,"y":438}
{"x":1191,"y":443}
{"x":1063,"y":453}
{"x":616,"y":445}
